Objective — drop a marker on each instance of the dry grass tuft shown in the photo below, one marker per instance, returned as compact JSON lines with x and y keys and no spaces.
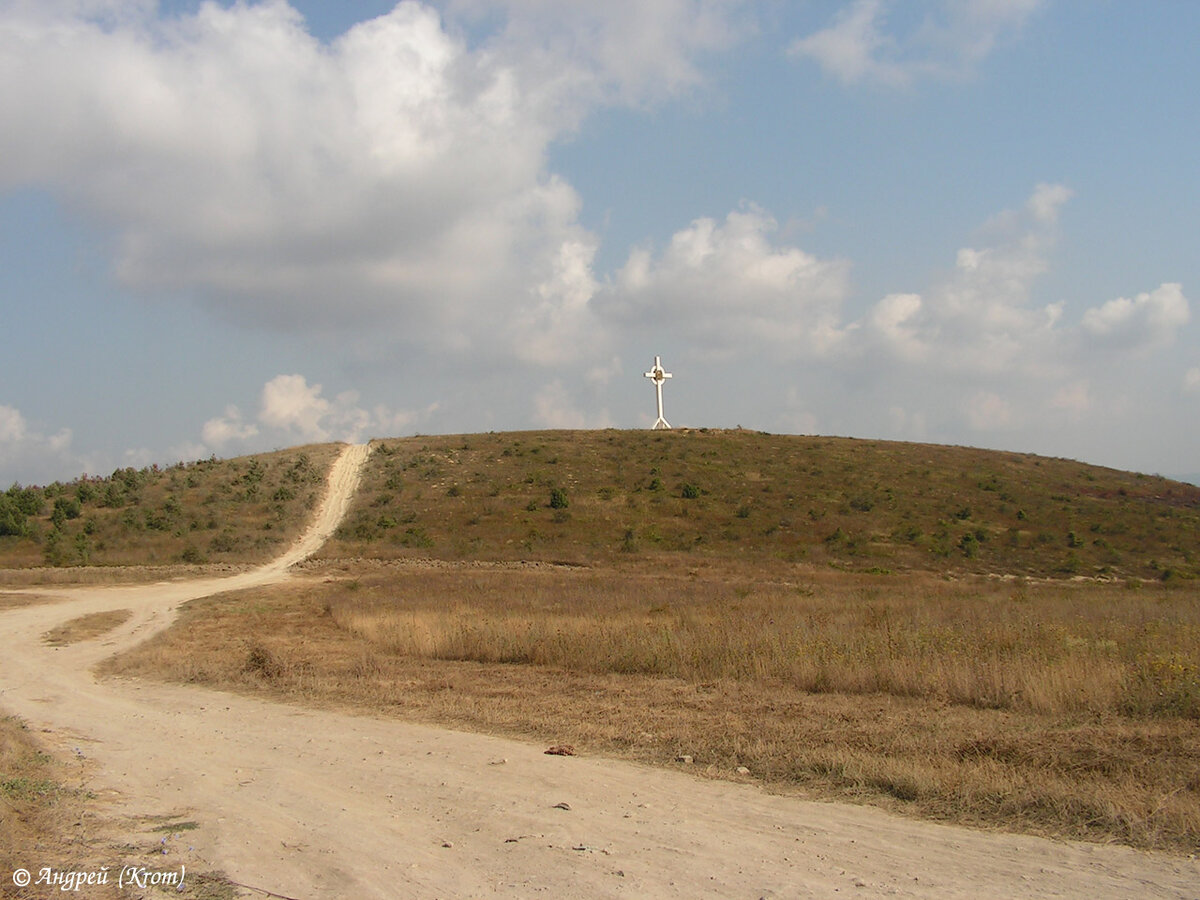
{"x":1062,"y":708}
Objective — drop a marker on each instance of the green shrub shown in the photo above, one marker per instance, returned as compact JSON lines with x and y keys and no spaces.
{"x":13,"y":519}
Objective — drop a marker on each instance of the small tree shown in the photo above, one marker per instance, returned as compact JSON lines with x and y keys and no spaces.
{"x":558,"y":499}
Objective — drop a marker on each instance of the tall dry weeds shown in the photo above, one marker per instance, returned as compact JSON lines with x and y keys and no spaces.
{"x":1063,"y":650}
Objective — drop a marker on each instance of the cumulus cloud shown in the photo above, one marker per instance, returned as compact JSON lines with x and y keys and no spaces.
{"x":950,"y":39}
{"x":219,"y":431}
{"x":292,"y":410}
{"x":1148,"y":320}
{"x":976,"y":341}
{"x":895,"y":319}
{"x":391,"y":181}
{"x":725,"y":284}
{"x":552,"y":329}
{"x":289,"y":402}
{"x":1046,"y":201}
{"x":979,"y":318}
{"x":24,"y":447}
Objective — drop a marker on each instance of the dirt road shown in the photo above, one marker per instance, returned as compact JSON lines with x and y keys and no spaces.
{"x":314,"y":804}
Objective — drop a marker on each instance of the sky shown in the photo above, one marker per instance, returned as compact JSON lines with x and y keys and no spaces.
{"x":229,"y":227}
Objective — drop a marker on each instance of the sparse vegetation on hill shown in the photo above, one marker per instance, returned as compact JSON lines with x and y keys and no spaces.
{"x":607,"y":496}
{"x":613,"y":496}
{"x":220,"y":511}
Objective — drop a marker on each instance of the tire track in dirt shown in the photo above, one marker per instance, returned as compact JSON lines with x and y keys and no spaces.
{"x":316,"y":804}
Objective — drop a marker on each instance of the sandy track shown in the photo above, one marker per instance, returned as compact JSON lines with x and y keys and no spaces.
{"x":314,"y":804}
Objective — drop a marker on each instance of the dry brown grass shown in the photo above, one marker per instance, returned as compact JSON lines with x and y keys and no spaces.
{"x":86,"y":627}
{"x":1067,"y":709}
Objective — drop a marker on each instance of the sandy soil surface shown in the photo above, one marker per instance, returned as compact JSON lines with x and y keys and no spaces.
{"x":316,"y":804}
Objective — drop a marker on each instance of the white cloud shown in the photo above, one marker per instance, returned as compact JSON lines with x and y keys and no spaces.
{"x":292,"y":410}
{"x":1191,"y":380}
{"x":219,"y":431}
{"x":187,"y":451}
{"x":27,"y":449}
{"x":619,"y":51}
{"x":1149,"y":320}
{"x":605,"y":371}
{"x":849,"y":49}
{"x":979,"y":318}
{"x":724,"y":286}
{"x":1047,"y":200}
{"x":895,"y":319}
{"x":12,"y":426}
{"x":390,"y":182}
{"x":796,"y":422}
{"x":553,"y":329}
{"x":950,"y":40}
{"x":290,"y":403}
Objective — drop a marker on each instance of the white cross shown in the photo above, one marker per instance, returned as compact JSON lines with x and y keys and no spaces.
{"x":658,"y":376}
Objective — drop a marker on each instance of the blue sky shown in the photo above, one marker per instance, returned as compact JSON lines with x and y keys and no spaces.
{"x":226,"y":227}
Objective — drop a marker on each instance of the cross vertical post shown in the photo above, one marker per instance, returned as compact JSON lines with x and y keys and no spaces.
{"x":658,"y":376}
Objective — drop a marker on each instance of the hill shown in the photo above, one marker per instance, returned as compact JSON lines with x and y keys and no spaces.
{"x":230,"y":511}
{"x":595,"y":497}
{"x":613,"y":497}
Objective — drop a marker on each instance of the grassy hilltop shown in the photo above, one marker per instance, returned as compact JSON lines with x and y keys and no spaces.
{"x":606,"y":496}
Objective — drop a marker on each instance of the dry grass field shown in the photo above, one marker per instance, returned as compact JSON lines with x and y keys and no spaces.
{"x":1067,"y":709}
